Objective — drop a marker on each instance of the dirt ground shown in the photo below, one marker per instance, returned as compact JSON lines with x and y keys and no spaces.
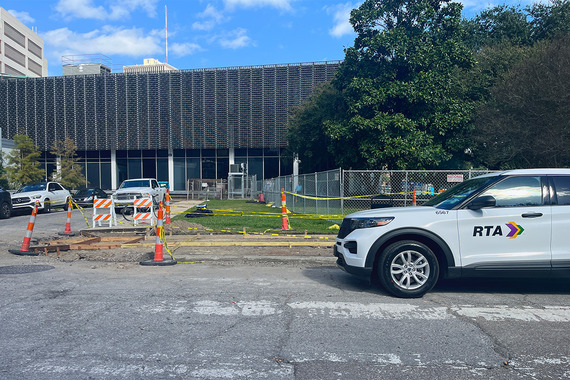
{"x":251,"y":248}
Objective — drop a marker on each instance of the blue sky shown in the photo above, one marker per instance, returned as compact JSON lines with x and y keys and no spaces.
{"x":201,"y":33}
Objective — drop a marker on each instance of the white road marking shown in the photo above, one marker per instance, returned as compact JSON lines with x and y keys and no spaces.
{"x":526,"y":314}
{"x":355,"y":310}
{"x":347,"y":310}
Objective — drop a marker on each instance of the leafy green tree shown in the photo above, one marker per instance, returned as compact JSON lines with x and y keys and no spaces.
{"x":23,"y":166}
{"x":404,"y":101}
{"x":307,"y":133}
{"x":498,"y":25}
{"x":526,"y":121}
{"x":550,"y":20}
{"x":3,"y":181}
{"x":70,"y":173}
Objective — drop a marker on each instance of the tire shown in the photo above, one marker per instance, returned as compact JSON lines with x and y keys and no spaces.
{"x":47,"y":206}
{"x":5,"y":210}
{"x":408,"y":269}
{"x":127,"y":213}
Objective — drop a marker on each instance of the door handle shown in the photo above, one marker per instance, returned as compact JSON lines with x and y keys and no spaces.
{"x":532,"y":215}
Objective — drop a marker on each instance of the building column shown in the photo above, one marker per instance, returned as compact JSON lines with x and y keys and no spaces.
{"x":232,"y":156}
{"x":113,"y":169}
{"x":170,"y":169}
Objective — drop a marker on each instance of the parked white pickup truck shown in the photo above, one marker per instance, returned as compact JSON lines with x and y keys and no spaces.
{"x":132,"y":189}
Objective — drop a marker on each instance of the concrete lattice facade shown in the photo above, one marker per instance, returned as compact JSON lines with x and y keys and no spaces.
{"x":222,"y":114}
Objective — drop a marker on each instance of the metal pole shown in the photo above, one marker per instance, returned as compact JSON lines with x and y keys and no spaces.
{"x":341,"y":192}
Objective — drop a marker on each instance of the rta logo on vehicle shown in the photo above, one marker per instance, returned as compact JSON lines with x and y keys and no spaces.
{"x":515,"y":230}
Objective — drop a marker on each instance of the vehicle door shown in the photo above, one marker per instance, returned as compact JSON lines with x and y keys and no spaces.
{"x":560,"y":191}
{"x":514,"y":233}
{"x":55,"y":193}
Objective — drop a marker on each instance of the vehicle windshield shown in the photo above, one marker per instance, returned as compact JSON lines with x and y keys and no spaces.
{"x":458,"y":193}
{"x":34,"y":187}
{"x":135,"y":183}
{"x":84,"y":192}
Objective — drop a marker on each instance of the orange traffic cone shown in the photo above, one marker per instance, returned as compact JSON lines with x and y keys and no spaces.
{"x":167,"y":206}
{"x":414,"y":199}
{"x":158,"y":247}
{"x":67,"y":231}
{"x":284,"y":219}
{"x":25,"y":249}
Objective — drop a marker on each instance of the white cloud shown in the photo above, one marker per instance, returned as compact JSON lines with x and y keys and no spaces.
{"x":121,"y":9}
{"x":279,"y":4}
{"x":341,"y":17}
{"x":109,"y":41}
{"x":80,"y":9}
{"x":182,"y":50}
{"x":24,"y":17}
{"x":211,"y":16}
{"x":235,"y":39}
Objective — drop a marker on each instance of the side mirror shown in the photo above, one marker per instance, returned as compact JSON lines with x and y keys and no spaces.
{"x":482,"y":202}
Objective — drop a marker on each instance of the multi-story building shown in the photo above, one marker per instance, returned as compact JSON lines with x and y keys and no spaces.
{"x":21,"y":50}
{"x":174,"y":126}
{"x":150,"y":65}
{"x":86,"y":64}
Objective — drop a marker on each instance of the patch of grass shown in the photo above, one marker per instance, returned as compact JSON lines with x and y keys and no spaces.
{"x":234,"y":215}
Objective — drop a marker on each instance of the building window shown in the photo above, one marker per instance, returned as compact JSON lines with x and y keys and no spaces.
{"x":34,"y":67}
{"x":13,"y":34}
{"x":15,"y":55}
{"x":34,"y":49}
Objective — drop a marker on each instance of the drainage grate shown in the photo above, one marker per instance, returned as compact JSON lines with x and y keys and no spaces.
{"x":21,"y":269}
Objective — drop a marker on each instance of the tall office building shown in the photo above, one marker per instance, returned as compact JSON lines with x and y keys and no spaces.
{"x":21,"y":50}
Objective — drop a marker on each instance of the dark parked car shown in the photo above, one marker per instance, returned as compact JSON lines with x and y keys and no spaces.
{"x":5,"y":204}
{"x":84,"y":197}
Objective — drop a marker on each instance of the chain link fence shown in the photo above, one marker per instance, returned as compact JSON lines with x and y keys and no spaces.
{"x":340,"y":192}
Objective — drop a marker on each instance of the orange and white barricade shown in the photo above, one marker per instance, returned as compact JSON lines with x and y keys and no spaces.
{"x":100,"y":217}
{"x":147,"y":214}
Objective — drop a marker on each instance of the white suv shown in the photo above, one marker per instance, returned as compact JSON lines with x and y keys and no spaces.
{"x":49,"y":194}
{"x":512,"y":223}
{"x":132,"y":189}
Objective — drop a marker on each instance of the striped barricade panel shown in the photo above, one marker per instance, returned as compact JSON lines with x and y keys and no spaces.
{"x":146,"y":213}
{"x":98,"y":205}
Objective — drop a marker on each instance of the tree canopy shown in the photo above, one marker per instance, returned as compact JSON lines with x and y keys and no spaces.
{"x":423,"y":88}
{"x":70,"y":173}
{"x":23,"y":166}
{"x":401,"y":100}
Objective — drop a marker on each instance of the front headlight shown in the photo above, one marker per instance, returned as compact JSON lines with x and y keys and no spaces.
{"x":37,"y":196}
{"x":370,"y":222}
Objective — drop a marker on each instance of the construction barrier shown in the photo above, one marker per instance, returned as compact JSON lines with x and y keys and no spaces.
{"x":146,"y":214}
{"x":284,"y":219}
{"x":25,"y":249}
{"x":105,"y":203}
{"x":158,"y":259}
{"x":67,"y":231}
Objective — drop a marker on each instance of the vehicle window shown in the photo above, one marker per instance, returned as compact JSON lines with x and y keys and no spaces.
{"x":517,"y":192}
{"x":562,"y":185}
{"x":35,"y":187}
{"x":134,"y":183}
{"x":154,"y":184}
{"x":56,"y":186}
{"x":457,"y":194}
{"x":51,"y":187}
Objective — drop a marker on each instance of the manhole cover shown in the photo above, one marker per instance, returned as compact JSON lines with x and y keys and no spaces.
{"x":21,"y":269}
